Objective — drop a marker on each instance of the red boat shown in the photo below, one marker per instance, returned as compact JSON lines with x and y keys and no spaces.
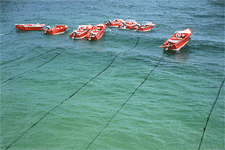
{"x":114,"y":23}
{"x":80,"y":32}
{"x":129,"y":24}
{"x":96,"y":32}
{"x":146,"y":26}
{"x":58,"y":29}
{"x":177,"y":40}
{"x":24,"y":27}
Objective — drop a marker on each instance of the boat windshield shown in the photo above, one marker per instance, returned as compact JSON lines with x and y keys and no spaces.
{"x":185,"y":31}
{"x":118,"y":20}
{"x":84,"y":26}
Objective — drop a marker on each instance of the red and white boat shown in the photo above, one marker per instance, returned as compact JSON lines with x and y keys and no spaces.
{"x":129,"y":24}
{"x":80,"y":32}
{"x":24,"y":27}
{"x":58,"y":29}
{"x":146,"y":26}
{"x":114,"y":23}
{"x":96,"y":32}
{"x":177,"y":40}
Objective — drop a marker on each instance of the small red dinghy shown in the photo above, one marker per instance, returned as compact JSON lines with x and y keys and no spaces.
{"x":177,"y":40}
{"x":129,"y":24}
{"x":96,"y":32}
{"x":80,"y":32}
{"x":146,"y":26}
{"x":24,"y":27}
{"x":58,"y":29}
{"x":114,"y":23}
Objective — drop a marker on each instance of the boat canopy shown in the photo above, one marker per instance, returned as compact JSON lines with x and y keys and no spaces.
{"x":101,"y":25}
{"x":185,"y":31}
{"x":85,"y":26}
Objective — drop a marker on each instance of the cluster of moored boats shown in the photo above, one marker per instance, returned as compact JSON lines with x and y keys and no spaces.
{"x":89,"y":32}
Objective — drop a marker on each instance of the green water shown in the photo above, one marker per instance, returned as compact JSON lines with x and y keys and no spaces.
{"x":168,"y":111}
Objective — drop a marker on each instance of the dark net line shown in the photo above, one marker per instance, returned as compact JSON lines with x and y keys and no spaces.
{"x":124,"y":103}
{"x":29,"y":58}
{"x":17,"y":58}
{"x":70,"y":96}
{"x":210,"y":114}
{"x":31,"y":69}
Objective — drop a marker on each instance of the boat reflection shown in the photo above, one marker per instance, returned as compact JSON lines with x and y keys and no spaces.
{"x":178,"y":56}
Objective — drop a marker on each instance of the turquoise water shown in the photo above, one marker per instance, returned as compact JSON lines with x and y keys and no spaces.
{"x":168,"y":111}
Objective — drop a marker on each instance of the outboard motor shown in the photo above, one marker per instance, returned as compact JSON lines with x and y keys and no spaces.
{"x":74,"y":33}
{"x":90,"y":36}
{"x":48,"y":28}
{"x":109,"y":21}
{"x":168,"y":45}
{"x":123,"y":25}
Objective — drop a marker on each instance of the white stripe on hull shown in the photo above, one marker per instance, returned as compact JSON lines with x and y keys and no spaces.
{"x":98,"y":38}
{"x":59,"y":33}
{"x":144,"y":31}
{"x":79,"y":38}
{"x":179,"y":48}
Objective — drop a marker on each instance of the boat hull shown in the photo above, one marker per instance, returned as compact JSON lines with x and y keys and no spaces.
{"x":127,"y":26}
{"x":78,"y":35}
{"x":143,"y":29}
{"x":96,"y":33}
{"x":80,"y":32}
{"x":28,"y":27}
{"x":179,"y":45}
{"x":177,"y":40}
{"x":59,"y":29}
{"x":114,"y":24}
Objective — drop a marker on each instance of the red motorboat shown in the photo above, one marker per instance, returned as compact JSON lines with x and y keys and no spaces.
{"x":58,"y":29}
{"x":129,"y":24}
{"x":96,"y":32}
{"x":114,"y":23}
{"x":177,"y":40}
{"x":146,"y":26}
{"x":80,"y":32}
{"x":24,"y":27}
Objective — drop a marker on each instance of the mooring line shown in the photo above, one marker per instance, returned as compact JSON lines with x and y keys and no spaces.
{"x":32,"y":68}
{"x":31,"y":57}
{"x":17,"y":58}
{"x":210,"y":114}
{"x":124,"y":103}
{"x":71,"y":95}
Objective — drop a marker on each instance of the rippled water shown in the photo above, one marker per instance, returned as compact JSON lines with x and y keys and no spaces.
{"x":168,"y":111}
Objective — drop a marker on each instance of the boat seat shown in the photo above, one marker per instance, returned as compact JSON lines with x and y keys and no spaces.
{"x":173,"y":41}
{"x":176,"y":38}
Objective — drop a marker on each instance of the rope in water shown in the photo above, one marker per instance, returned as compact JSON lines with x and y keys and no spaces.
{"x":29,"y":58}
{"x":70,"y":95}
{"x":31,"y":69}
{"x":17,"y":58}
{"x":210,"y":114}
{"x":124,"y":103}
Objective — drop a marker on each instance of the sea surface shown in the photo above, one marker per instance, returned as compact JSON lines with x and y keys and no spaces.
{"x":60,"y":93}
